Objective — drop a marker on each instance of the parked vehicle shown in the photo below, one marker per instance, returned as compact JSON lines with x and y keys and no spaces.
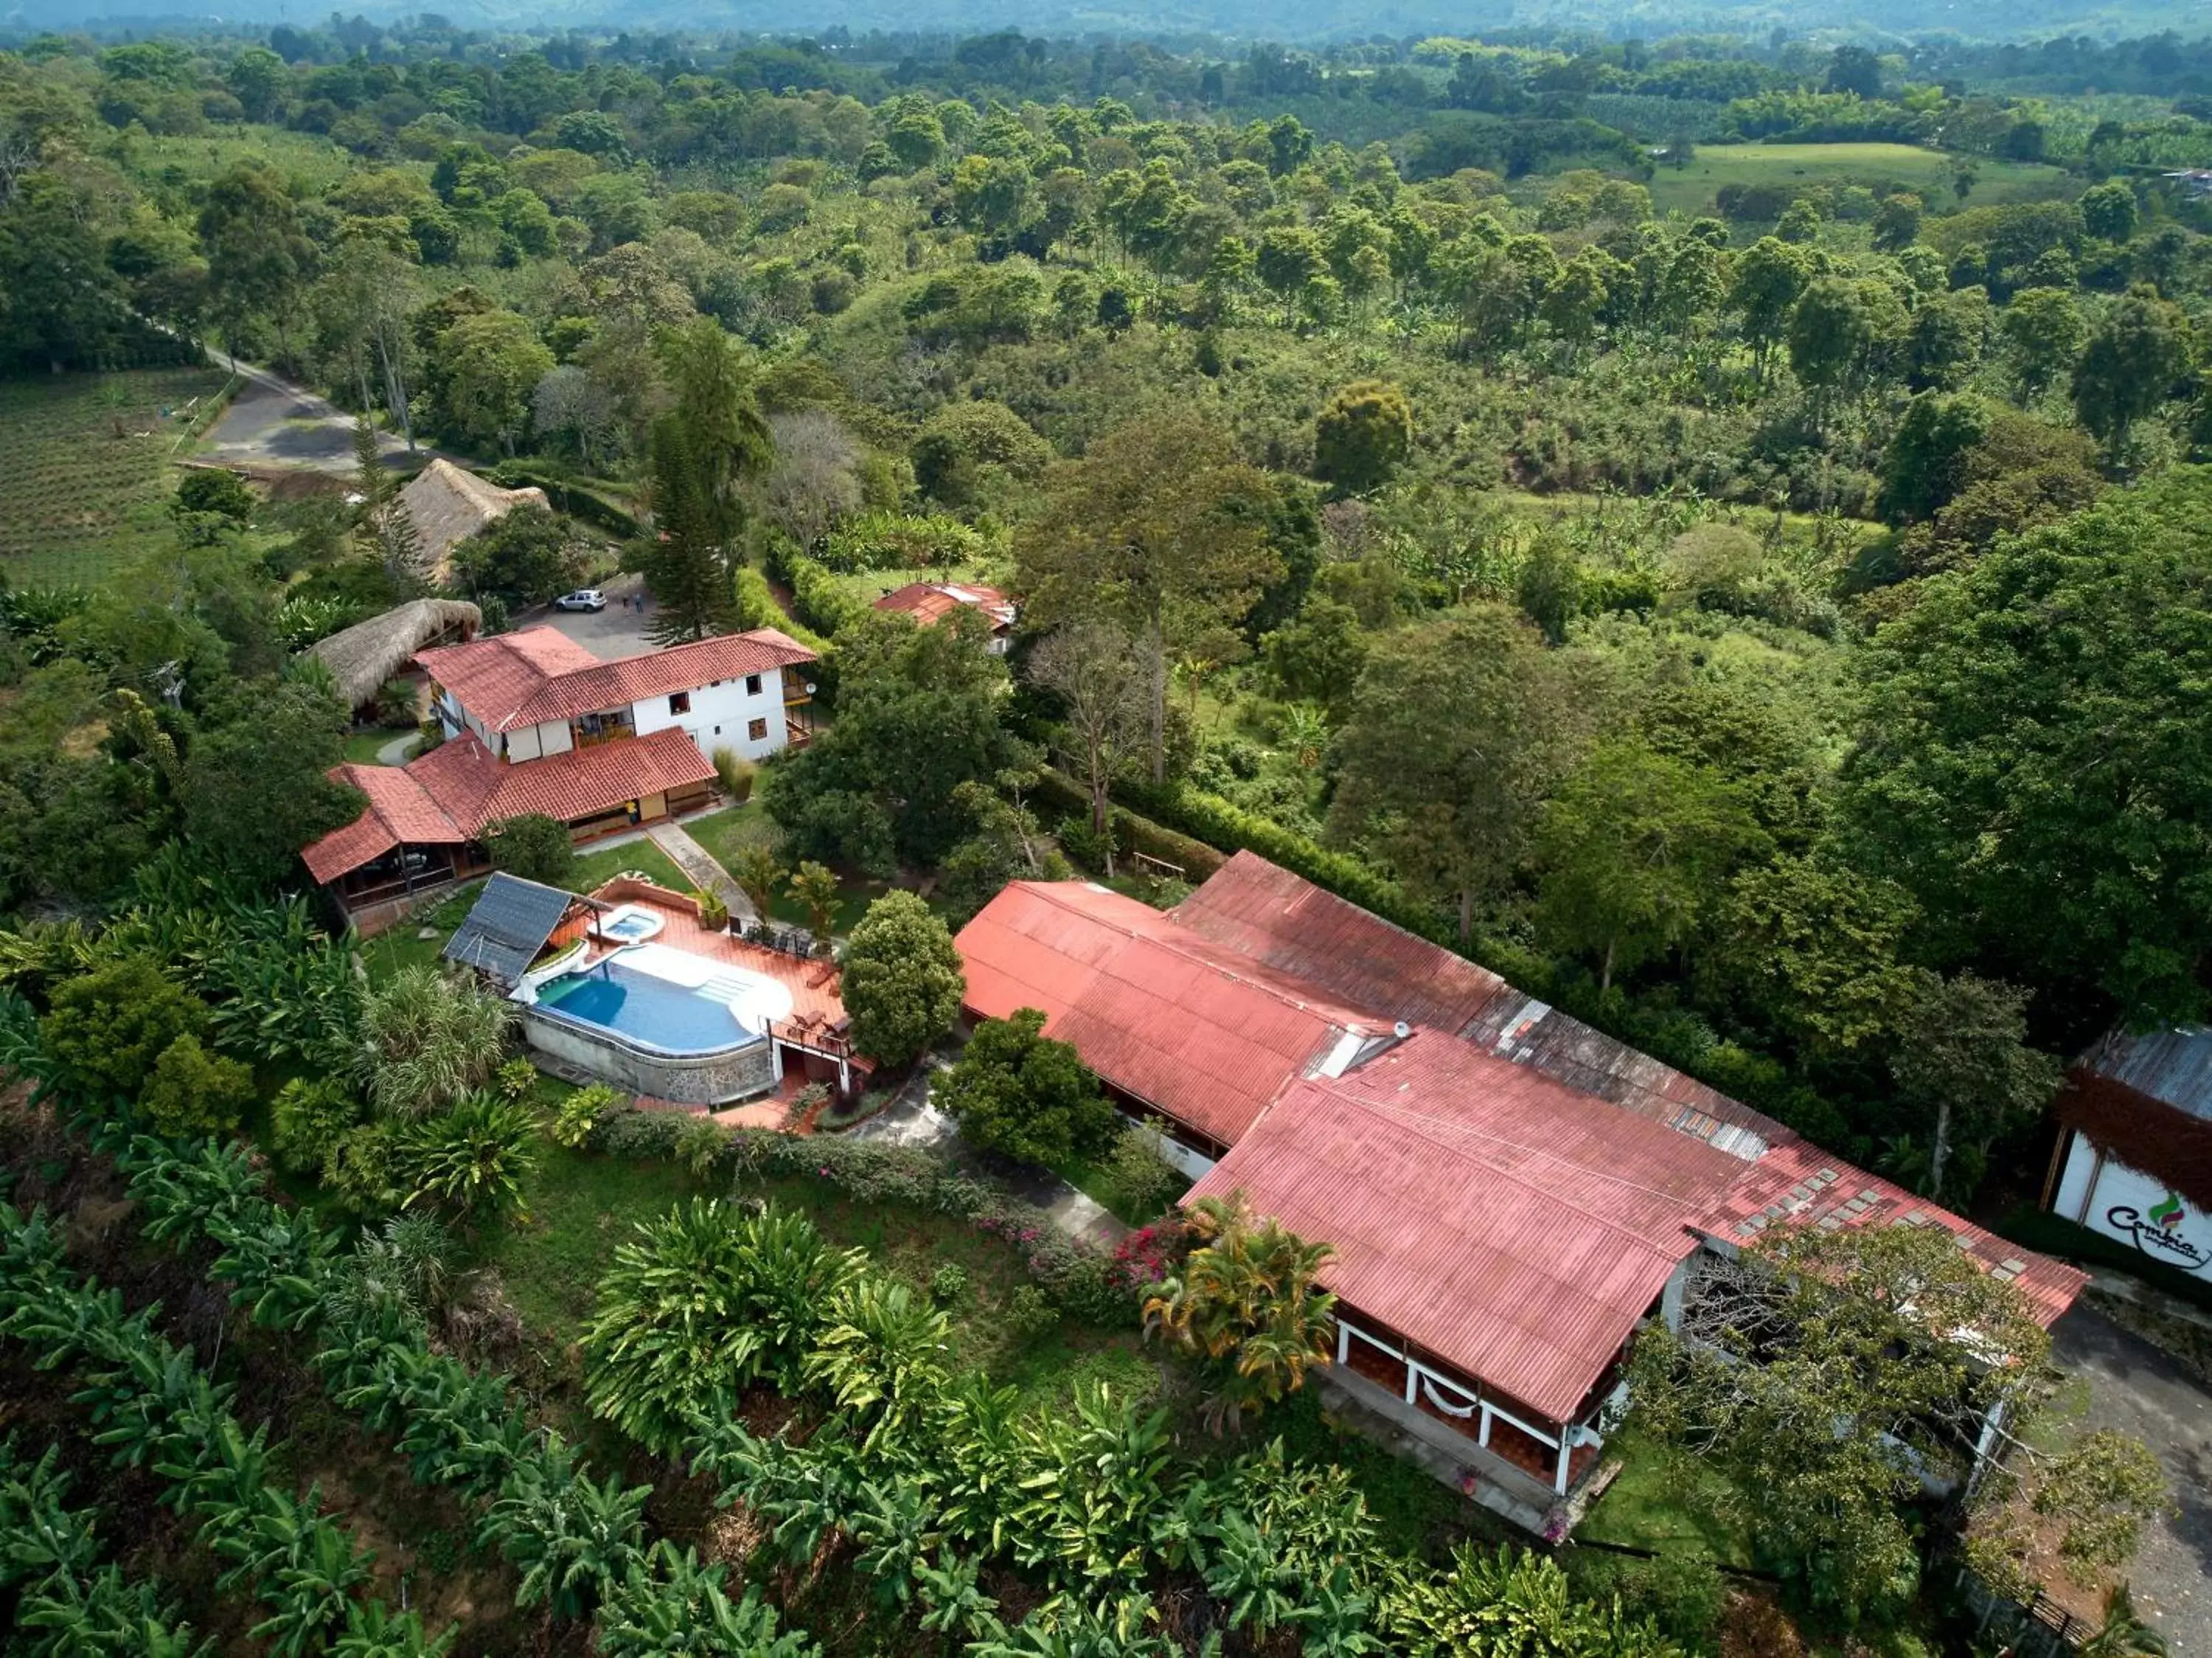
{"x":581,"y":599}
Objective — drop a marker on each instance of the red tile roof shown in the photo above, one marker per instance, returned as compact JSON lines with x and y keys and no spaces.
{"x":399,"y":811}
{"x":539,"y":674}
{"x":449,"y":795}
{"x":1207,"y":1036}
{"x":931,"y":602}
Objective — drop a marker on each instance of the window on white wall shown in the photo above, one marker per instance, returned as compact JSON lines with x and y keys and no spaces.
{"x":680,"y":703}
{"x":755,"y":729}
{"x":752,"y":685}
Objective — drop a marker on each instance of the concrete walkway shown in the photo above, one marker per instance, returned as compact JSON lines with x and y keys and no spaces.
{"x":911,"y":1120}
{"x":2137,"y":1389}
{"x":396,"y":751}
{"x":701,"y":867}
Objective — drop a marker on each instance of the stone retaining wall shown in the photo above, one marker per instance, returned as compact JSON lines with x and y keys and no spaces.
{"x":705,"y":1079}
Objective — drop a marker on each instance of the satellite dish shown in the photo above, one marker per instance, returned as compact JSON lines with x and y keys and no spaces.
{"x":1402,"y":1030}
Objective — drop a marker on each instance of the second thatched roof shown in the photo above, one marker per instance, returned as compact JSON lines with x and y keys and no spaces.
{"x":449,"y":503}
{"x":363,"y":657}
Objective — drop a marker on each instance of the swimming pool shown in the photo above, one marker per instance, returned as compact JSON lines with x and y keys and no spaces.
{"x":646,"y":1009}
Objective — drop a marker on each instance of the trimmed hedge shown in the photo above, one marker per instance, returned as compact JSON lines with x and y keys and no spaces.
{"x":570,"y":498}
{"x":1055,"y":792}
{"x":820,"y":600}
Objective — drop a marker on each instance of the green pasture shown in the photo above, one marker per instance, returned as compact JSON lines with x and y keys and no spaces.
{"x":1926,"y":173}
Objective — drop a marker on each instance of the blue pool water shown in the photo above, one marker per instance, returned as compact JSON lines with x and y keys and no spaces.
{"x":651,"y":1009}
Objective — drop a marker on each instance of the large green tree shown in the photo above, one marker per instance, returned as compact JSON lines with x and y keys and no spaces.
{"x":919,"y":715}
{"x":1018,"y":1091}
{"x":255,"y":789}
{"x":707,"y":450}
{"x":1635,"y":851}
{"x":1456,"y":734}
{"x":1152,"y":526}
{"x":259,"y":259}
{"x":2131,"y":366}
{"x":2035,"y":762}
{"x":902,"y":982}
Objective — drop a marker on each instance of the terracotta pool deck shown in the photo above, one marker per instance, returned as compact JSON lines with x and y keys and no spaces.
{"x":818,"y":1013}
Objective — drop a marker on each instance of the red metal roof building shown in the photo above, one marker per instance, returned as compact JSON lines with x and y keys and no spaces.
{"x":1511,"y":1192}
{"x":931,"y":602}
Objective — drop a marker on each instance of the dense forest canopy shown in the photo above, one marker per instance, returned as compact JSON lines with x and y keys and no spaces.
{"x":1712,"y":526}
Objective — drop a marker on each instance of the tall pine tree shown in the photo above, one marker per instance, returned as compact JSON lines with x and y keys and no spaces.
{"x":384,"y":528}
{"x":705,"y":451}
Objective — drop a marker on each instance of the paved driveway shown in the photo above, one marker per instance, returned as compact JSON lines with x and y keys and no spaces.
{"x":2137,"y":1389}
{"x":618,"y":630}
{"x":274,"y":424}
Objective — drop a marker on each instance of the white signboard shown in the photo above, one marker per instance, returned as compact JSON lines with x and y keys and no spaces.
{"x":2142,"y":1212}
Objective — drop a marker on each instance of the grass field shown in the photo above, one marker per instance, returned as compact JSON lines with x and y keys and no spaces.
{"x":85,"y":469}
{"x":1926,"y":173}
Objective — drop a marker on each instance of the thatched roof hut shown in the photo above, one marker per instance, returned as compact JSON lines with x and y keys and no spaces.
{"x":449,"y":503}
{"x":363,"y":657}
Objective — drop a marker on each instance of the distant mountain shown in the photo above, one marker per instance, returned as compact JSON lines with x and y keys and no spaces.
{"x":1306,"y":19}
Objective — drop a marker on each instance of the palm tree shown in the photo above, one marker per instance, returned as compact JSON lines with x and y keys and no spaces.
{"x":815,"y":889}
{"x":2123,"y":1635}
{"x":1248,"y":1296}
{"x":758,"y":872}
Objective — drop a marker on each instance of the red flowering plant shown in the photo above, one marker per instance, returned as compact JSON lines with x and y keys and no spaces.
{"x":1151,"y":1252}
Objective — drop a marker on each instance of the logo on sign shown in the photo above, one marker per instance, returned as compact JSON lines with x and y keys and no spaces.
{"x":2157,"y":1233}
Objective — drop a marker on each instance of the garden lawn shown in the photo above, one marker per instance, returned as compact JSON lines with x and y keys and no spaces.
{"x":1659,"y":1502}
{"x":86,"y":473}
{"x":1925,"y":172}
{"x":596,"y":868}
{"x":724,"y":833}
{"x":361,"y":747}
{"x":398,"y":948}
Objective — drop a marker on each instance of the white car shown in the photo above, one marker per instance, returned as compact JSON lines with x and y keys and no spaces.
{"x":581,"y":599}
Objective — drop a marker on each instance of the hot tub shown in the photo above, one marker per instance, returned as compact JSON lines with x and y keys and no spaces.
{"x":630,"y":923}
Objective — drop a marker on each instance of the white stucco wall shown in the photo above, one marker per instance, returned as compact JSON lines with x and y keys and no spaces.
{"x":718,"y":714}
{"x":2138,"y":1209}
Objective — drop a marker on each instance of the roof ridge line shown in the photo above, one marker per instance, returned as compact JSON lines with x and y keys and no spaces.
{"x":1377,"y":1108}
{"x":1228,"y":972}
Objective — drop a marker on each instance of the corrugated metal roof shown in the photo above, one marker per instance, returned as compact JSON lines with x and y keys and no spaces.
{"x":1502,"y":1186}
{"x":1463,"y":1244}
{"x":2173,"y":1067}
{"x":1206,"y":1035}
{"x":509,"y":926}
{"x":1267,"y":913}
{"x":1284,"y":920}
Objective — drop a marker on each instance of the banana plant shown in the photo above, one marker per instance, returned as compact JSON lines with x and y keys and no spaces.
{"x":881,"y":1357}
{"x":1257,"y":1591}
{"x":40,"y":1534}
{"x":669,"y":1605}
{"x":98,"y":1616}
{"x":893,"y":1527}
{"x":302,"y":1567}
{"x":573,"y":1537}
{"x":374,"y":1630}
{"x":952,"y":1599}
